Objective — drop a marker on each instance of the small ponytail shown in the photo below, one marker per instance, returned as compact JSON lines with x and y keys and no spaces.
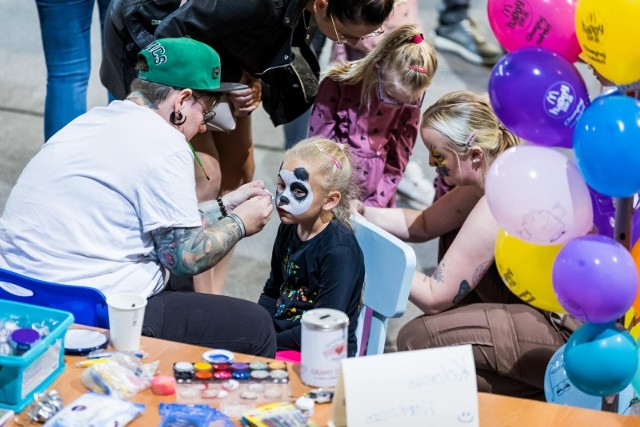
{"x":506,"y":138}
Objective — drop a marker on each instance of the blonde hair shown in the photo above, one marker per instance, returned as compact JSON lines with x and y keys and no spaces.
{"x":399,"y":54}
{"x":458,"y":115}
{"x":333,"y":163}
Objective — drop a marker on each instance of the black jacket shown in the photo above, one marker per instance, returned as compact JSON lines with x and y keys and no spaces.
{"x":262,"y":37}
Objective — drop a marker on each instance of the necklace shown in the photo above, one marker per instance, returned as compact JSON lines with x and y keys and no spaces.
{"x":304,"y":20}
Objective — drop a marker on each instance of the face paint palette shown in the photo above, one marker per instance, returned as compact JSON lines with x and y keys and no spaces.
{"x":233,"y":387}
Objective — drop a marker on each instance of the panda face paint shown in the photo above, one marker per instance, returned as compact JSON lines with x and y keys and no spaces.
{"x":294,"y":194}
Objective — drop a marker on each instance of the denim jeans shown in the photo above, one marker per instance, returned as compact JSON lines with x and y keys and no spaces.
{"x":65,"y":26}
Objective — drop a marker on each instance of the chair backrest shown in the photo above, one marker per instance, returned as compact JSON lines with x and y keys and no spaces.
{"x":389,"y":267}
{"x":88,"y":305}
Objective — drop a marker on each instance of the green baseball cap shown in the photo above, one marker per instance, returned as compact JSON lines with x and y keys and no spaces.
{"x":184,"y":63}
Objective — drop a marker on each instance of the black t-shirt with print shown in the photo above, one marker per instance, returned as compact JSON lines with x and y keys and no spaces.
{"x":326,"y":271}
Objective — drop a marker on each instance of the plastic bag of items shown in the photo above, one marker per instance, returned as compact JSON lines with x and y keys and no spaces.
{"x":122,"y":376}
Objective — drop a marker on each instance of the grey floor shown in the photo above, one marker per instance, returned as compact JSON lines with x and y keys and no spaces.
{"x":22,"y":88}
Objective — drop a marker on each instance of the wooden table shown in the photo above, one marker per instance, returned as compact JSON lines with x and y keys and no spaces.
{"x":495,"y":411}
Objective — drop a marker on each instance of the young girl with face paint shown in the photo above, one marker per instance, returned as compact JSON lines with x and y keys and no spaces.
{"x":316,"y":260}
{"x":373,"y":106}
{"x":464,"y":299}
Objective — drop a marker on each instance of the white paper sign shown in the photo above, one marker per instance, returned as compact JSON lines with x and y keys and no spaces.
{"x":434,"y":387}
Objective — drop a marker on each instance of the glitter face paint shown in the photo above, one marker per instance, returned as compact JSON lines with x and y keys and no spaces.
{"x":440,"y":164}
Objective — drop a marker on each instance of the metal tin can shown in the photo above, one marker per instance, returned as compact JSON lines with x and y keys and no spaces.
{"x":323,"y":346}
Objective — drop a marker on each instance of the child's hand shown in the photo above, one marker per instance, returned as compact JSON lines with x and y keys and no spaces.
{"x":255,"y":213}
{"x":243,"y":193}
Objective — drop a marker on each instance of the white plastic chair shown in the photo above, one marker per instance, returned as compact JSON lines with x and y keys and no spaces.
{"x":389,"y":267}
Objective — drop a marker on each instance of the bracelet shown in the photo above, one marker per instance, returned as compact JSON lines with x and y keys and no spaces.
{"x":222,"y":208}
{"x":238,"y":220}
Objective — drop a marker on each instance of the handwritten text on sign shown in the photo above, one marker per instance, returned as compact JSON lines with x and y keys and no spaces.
{"x":414,"y":388}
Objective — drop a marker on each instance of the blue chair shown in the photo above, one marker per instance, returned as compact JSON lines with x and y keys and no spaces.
{"x":389,"y":267}
{"x":88,"y":305}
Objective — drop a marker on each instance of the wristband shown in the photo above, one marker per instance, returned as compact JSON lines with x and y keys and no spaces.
{"x":222,"y":208}
{"x":238,"y":220}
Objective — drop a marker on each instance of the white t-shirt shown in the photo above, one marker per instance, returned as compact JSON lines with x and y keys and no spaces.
{"x":84,"y":207}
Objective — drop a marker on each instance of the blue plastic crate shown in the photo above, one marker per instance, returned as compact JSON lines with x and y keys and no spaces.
{"x":34,"y":371}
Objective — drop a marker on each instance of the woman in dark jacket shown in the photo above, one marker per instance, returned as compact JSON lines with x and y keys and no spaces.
{"x":262,"y":43}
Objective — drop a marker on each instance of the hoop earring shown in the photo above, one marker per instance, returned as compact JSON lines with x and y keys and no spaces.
{"x":177,"y":118}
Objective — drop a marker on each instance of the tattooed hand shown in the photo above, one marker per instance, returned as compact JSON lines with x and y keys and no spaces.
{"x":255,"y":213}
{"x":252,"y":189}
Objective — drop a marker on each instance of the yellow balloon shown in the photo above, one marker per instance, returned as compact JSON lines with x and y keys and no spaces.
{"x":608,"y":33}
{"x":632,"y":323}
{"x":526,"y":270}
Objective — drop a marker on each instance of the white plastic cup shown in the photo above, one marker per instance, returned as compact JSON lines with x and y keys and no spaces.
{"x":126,"y":314}
{"x":323,"y":346}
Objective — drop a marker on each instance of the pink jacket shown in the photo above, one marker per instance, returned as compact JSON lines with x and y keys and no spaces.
{"x":381,"y":138}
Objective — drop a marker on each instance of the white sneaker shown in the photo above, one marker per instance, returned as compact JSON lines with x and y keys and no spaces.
{"x":416,"y":186}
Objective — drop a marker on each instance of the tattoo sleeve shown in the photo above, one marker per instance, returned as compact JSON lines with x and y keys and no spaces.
{"x":190,"y":251}
{"x":210,"y":213}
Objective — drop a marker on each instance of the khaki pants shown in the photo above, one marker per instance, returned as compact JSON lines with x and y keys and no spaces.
{"x":512,"y":342}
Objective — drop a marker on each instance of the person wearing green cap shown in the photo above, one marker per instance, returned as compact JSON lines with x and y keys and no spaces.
{"x":264,"y":43}
{"x":110,"y":203}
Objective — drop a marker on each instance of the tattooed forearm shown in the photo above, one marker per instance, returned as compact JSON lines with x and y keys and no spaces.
{"x":438,"y":274}
{"x":462,"y":291}
{"x":189,"y":251}
{"x":210,"y":213}
{"x":480,"y":271}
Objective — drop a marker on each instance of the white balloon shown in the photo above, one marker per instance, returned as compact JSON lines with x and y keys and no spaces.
{"x":538,"y":195}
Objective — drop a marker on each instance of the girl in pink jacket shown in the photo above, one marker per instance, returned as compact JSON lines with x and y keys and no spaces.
{"x":373,"y":106}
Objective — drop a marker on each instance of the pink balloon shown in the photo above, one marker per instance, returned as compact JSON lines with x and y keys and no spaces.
{"x":549,"y":24}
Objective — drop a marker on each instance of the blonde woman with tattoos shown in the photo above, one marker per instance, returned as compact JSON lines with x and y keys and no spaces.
{"x":464,"y":301}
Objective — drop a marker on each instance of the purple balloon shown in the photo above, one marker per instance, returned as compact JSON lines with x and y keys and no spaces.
{"x":635,"y":227}
{"x":538,"y":95}
{"x":604,"y":213}
{"x":595,"y":279}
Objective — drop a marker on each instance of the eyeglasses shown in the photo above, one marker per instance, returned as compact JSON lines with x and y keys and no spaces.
{"x":388,"y":99}
{"x":351,"y":40}
{"x":207,"y":113}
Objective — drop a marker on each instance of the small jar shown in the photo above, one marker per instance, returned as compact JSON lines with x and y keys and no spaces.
{"x":183,"y":371}
{"x":305,"y":405}
{"x":23,"y":339}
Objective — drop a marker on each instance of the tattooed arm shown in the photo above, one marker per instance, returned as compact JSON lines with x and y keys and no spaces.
{"x":190,"y":251}
{"x":447,"y":214}
{"x":463,"y":265}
